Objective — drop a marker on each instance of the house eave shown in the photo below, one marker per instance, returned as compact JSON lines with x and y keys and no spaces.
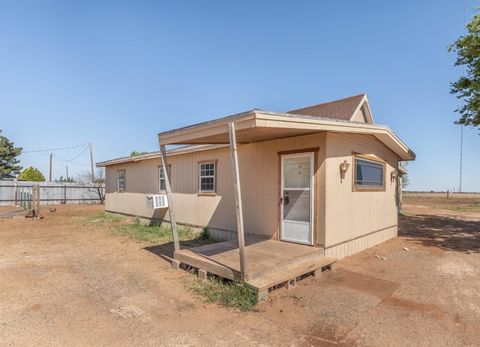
{"x":259,"y":125}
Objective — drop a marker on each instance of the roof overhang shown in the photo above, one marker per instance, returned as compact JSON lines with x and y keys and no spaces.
{"x":258,"y":125}
{"x":402,"y":170}
{"x":155,"y":155}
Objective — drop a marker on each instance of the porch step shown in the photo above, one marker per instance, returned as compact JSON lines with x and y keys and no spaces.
{"x":316,"y":254}
{"x":289,"y":270}
{"x":198,"y":261}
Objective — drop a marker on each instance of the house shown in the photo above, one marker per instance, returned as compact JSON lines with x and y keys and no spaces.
{"x":319,"y":180}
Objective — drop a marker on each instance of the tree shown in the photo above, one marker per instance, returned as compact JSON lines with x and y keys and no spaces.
{"x":135,"y":153}
{"x":9,"y":167}
{"x":405,"y":181}
{"x":98,"y":186}
{"x":467,"y":88}
{"x":31,"y":174}
{"x":65,"y":179}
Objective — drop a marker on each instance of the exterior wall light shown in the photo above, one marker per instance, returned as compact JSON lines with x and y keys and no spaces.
{"x":343,"y":169}
{"x":393,"y":175}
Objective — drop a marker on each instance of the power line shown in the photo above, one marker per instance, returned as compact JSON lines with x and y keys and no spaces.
{"x":71,"y":160}
{"x":54,"y":149}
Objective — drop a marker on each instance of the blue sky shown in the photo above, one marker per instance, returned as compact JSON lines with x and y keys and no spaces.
{"x":116,"y":73}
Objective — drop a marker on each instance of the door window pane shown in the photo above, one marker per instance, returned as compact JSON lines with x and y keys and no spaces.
{"x":296,"y":205}
{"x":296,"y":172}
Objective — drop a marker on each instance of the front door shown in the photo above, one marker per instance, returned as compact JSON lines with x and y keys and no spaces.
{"x":297,"y":198}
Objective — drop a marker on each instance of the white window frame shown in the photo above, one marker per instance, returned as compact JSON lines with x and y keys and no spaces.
{"x":311,"y":156}
{"x":160,"y":179}
{"x":124,"y":180}
{"x":213,"y":191}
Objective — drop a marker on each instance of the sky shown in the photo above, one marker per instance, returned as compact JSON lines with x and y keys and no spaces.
{"x":114,"y":74}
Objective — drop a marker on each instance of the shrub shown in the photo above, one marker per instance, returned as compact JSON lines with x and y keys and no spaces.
{"x":31,"y":174}
{"x":204,"y":235}
{"x":227,"y":293}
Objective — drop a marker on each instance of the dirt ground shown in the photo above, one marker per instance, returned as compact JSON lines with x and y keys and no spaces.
{"x":65,"y":282}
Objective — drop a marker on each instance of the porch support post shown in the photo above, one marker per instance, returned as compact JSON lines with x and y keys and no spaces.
{"x":238,"y":199}
{"x":173,"y":221}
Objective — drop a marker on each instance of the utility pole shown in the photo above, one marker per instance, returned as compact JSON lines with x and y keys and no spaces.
{"x":91,"y":163}
{"x":50,"y":171}
{"x":461,"y":157}
{"x":66,"y":169}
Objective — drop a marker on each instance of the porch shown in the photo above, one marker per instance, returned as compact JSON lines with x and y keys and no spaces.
{"x":269,"y":263}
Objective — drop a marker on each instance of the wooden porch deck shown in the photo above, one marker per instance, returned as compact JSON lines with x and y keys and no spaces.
{"x":269,"y":263}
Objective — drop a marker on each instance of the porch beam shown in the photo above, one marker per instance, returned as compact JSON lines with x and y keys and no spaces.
{"x":166,"y":174}
{"x":238,"y":199}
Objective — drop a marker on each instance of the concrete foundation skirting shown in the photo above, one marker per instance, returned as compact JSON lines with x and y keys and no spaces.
{"x":213,"y":233}
{"x":222,"y":235}
{"x":361,"y":243}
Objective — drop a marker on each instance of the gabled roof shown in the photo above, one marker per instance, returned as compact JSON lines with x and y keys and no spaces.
{"x":348,"y":115}
{"x":258,"y":125}
{"x":343,"y":109}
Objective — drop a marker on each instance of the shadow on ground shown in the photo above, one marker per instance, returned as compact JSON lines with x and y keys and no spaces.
{"x":447,"y":233}
{"x":165,"y":250}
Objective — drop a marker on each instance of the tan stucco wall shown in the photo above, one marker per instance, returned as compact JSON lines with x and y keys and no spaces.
{"x":346,"y":215}
{"x":259,"y":175}
{"x":350,"y":214}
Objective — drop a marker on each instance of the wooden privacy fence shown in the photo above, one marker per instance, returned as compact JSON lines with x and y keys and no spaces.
{"x":20,"y":193}
{"x":25,"y":198}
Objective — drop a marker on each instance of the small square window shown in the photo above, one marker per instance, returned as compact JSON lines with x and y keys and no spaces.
{"x":207,"y":177}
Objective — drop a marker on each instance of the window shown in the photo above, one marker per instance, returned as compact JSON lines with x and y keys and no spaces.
{"x":120,"y":180}
{"x":369,"y":174}
{"x":207,"y":177}
{"x":161,"y":178}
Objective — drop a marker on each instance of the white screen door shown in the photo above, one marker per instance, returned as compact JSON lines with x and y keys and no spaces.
{"x":297,"y":198}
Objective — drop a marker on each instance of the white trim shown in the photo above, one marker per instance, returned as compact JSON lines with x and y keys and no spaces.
{"x":364,"y":102}
{"x":124,"y":180}
{"x":311,"y":156}
{"x":160,"y":170}
{"x":200,"y":176}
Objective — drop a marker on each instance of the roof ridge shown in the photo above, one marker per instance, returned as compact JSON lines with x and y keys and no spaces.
{"x":328,"y":102}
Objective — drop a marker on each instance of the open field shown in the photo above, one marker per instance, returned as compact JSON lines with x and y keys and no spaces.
{"x":74,"y":279}
{"x":464,"y":205}
{"x":441,"y":195}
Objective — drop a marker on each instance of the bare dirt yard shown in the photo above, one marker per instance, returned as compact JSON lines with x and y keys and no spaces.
{"x":70,"y":280}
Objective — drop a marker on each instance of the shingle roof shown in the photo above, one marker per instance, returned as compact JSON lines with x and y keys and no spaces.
{"x":337,"y":109}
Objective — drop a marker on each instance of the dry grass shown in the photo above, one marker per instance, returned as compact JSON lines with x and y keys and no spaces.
{"x":151,"y":233}
{"x":227,"y":293}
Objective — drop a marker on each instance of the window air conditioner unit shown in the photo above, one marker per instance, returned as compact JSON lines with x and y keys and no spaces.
{"x":157,"y":201}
